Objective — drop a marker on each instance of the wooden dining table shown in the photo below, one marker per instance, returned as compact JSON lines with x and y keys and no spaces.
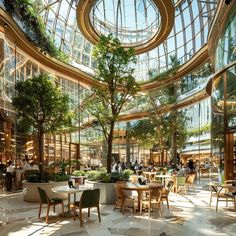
{"x":139,"y":188}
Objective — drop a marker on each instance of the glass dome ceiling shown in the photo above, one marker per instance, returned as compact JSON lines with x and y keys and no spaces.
{"x":188,"y":34}
{"x":132,"y":22}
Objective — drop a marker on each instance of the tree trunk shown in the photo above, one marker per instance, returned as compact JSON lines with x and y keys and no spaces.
{"x":162,"y":156}
{"x":127,"y":143}
{"x":174,"y":147}
{"x":109,"y":146}
{"x":41,"y":150}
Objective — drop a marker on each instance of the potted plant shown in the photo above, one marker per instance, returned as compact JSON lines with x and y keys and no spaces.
{"x":79,"y":176}
{"x":45,"y":181}
{"x":105,"y":182}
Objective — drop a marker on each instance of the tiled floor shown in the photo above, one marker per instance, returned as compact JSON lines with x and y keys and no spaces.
{"x":189,"y":215}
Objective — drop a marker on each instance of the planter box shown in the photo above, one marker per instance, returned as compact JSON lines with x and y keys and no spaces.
{"x":107,"y":191}
{"x":30,"y":190}
{"x":79,"y":179}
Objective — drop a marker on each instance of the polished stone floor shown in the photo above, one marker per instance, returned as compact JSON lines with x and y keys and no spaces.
{"x":189,"y":215}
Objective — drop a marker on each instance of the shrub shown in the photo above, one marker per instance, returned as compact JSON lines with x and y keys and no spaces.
{"x":59,"y":177}
{"x":94,"y":175}
{"x":79,"y":173}
{"x":108,"y":177}
{"x":38,"y":178}
{"x":126,"y":174}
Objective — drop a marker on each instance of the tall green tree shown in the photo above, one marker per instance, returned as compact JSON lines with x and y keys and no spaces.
{"x":164,"y":127}
{"x":118,"y":86}
{"x":41,"y":107}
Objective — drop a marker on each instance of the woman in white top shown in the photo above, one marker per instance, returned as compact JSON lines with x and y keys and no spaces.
{"x":10,"y":167}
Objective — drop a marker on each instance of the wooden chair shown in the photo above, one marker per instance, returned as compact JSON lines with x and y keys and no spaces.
{"x":154,"y":196}
{"x":220,"y":194}
{"x":166,"y":191}
{"x":190,"y":181}
{"x":180,"y":182}
{"x":49,"y":201}
{"x":89,"y":199}
{"x":122,"y":199}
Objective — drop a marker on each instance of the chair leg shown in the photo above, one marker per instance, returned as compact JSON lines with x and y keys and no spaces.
{"x":48,"y":208}
{"x":54,"y":208}
{"x":74,"y":211}
{"x":99,"y":216}
{"x":40,"y":208}
{"x":216,"y":203}
{"x":81,"y":217}
{"x":115,"y":207}
{"x":149,"y":211}
{"x":122,"y":209}
{"x":160,"y":208}
{"x":167,"y":202}
{"x":62,"y":209}
{"x":89,"y":212}
{"x":141,"y":206}
{"x":210,"y":200}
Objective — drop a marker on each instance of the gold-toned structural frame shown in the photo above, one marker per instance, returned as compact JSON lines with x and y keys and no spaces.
{"x":167,"y":13}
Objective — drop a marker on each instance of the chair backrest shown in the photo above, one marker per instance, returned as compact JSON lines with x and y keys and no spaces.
{"x":214,"y":187}
{"x":155,"y":193}
{"x":90,"y":198}
{"x":119,"y":191}
{"x":230,"y":181}
{"x":169,"y":186}
{"x":190,"y":178}
{"x":43,"y":195}
{"x":180,"y":180}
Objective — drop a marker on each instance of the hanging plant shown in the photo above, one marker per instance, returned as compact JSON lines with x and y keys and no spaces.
{"x":34,"y":28}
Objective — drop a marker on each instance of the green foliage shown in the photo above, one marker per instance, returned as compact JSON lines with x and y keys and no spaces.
{"x":38,"y":178}
{"x":159,"y":127}
{"x":108,"y":177}
{"x":127,"y":173}
{"x":41,"y":105}
{"x":34,"y":26}
{"x":94,"y":175}
{"x":79,"y":173}
{"x":198,"y":131}
{"x":59,"y":177}
{"x":45,"y":177}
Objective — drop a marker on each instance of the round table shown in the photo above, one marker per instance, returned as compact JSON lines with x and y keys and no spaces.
{"x":139,"y":188}
{"x":164,"y":177}
{"x":69,"y":191}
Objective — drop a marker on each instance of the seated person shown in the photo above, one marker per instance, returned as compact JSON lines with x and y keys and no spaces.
{"x":182,"y":171}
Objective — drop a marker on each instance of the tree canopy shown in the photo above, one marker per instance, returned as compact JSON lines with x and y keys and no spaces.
{"x":41,"y":107}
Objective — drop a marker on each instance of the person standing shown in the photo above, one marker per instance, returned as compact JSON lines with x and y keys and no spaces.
{"x":9,"y":176}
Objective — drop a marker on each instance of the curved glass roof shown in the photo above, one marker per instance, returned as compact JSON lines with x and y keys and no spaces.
{"x":132,"y":22}
{"x":188,"y":35}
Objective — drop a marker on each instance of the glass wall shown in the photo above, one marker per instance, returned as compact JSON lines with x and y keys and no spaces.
{"x":226,"y":46}
{"x":18,"y":66}
{"x":224,"y":116}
